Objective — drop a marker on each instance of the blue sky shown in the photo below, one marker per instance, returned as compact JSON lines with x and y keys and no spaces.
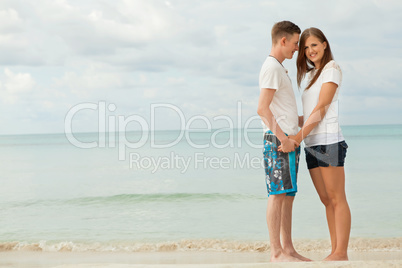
{"x":202,"y":57}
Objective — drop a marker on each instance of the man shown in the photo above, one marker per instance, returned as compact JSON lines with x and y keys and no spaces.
{"x":278,"y":111}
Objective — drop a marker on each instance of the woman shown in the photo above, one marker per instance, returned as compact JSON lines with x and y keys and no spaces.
{"x":325,"y":146}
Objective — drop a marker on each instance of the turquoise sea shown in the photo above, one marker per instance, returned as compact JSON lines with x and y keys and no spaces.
{"x":54,"y":192}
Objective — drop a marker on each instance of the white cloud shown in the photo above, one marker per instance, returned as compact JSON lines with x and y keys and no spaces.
{"x":18,"y":82}
{"x":140,"y":22}
{"x":93,"y":78}
{"x":201,"y":56}
{"x":10,"y":21}
{"x":372,"y":76}
{"x":149,"y":93}
{"x":15,"y":85}
{"x":96,"y":27}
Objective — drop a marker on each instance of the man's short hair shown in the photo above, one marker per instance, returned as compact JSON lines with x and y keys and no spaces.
{"x":284,"y":29}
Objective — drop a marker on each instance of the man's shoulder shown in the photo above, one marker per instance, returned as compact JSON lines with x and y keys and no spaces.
{"x":271,"y":66}
{"x":271,"y":62}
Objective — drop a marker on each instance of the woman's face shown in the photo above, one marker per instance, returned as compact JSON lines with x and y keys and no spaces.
{"x":314,"y":50}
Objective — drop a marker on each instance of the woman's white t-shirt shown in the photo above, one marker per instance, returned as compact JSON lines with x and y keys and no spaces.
{"x":328,"y":130}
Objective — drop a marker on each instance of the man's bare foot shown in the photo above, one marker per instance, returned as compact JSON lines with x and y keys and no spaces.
{"x":329,"y":256}
{"x":337,"y":257}
{"x":300,"y":257}
{"x":283,"y":257}
{"x":292,"y":252}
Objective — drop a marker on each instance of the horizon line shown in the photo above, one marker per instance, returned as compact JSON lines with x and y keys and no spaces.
{"x":190,"y":130}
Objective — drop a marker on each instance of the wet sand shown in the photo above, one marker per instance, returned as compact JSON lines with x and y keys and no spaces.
{"x":30,"y":259}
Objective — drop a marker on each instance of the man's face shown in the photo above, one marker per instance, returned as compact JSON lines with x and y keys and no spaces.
{"x":291,"y":46}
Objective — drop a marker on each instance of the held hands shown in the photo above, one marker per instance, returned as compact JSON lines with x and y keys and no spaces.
{"x":288,"y":145}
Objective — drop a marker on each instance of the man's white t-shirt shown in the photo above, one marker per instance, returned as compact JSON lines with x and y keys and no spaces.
{"x":283,"y":106}
{"x":328,"y":130}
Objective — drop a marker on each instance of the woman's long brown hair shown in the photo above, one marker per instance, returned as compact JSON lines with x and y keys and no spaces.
{"x":304,"y":65}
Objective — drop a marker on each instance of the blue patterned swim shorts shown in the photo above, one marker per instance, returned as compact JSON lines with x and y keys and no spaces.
{"x":280,"y":168}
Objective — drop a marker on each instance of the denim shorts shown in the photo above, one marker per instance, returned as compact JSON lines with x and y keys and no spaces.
{"x":326,"y":155}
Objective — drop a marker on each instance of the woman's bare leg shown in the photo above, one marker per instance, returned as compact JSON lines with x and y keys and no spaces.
{"x":334,"y":180}
{"x":319,"y":185}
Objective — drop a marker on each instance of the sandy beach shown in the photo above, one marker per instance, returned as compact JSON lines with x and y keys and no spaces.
{"x":186,"y":259}
{"x":363,"y":252}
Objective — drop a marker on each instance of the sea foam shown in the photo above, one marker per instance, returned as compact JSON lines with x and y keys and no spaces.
{"x":304,"y":245}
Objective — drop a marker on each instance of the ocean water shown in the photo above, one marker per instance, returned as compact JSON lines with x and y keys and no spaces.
{"x":180,"y":186}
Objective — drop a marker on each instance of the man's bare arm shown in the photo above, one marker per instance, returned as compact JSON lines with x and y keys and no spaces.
{"x":266,"y":96}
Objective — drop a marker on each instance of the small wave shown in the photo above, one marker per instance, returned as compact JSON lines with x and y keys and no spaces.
{"x":165,"y":197}
{"x":135,"y":198}
{"x":356,"y":244}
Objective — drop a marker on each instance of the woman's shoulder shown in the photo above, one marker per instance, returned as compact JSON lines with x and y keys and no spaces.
{"x":332,"y":65}
{"x":332,"y":73}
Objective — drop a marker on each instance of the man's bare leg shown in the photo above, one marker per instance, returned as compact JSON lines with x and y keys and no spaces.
{"x":286,"y":229}
{"x":274,"y":211}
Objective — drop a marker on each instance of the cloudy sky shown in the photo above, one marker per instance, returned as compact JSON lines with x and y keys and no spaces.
{"x":200,"y":57}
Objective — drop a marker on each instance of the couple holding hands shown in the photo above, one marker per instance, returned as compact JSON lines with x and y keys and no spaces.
{"x":325,"y":146}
